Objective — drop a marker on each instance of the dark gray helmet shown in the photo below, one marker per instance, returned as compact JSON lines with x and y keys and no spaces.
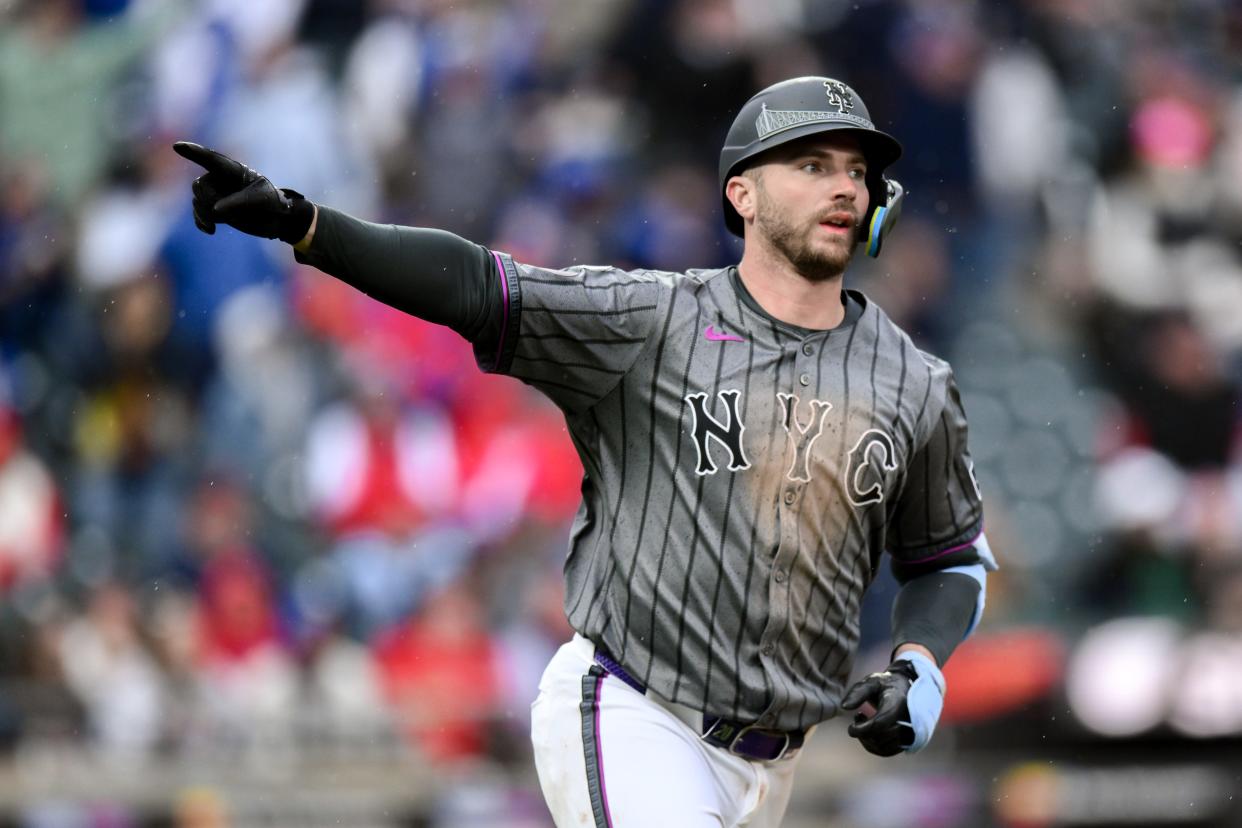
{"x":799,"y":107}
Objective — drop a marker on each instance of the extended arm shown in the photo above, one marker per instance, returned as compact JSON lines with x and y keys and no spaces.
{"x":571,"y":333}
{"x":431,"y":274}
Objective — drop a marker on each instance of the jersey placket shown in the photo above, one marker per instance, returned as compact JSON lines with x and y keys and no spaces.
{"x":790,"y":499}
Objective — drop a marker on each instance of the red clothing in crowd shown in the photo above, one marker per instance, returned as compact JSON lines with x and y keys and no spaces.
{"x":438,"y":672}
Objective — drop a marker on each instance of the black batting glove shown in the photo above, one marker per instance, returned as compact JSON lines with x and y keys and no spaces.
{"x":908,"y":697}
{"x":888,"y":732}
{"x":231,"y":193}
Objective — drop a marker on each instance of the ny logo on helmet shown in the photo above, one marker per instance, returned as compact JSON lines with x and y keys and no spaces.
{"x":839,"y":95}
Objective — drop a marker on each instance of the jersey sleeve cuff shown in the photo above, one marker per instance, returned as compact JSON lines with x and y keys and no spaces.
{"x":964,"y":548}
{"x":496,"y":357}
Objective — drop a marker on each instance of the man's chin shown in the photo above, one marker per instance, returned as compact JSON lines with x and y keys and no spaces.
{"x":822,"y":267}
{"x":830,"y":255}
{"x":820,"y":257}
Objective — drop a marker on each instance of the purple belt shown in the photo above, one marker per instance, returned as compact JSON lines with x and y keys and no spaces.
{"x":747,"y":740}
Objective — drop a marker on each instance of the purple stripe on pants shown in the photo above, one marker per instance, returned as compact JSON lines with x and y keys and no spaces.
{"x":599,"y":752}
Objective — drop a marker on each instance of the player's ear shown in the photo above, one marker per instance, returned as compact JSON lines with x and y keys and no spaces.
{"x":740,"y":190}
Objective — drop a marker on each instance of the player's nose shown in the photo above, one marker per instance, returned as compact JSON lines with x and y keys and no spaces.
{"x":842,"y":187}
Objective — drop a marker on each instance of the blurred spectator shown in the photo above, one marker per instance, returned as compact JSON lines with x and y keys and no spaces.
{"x":237,"y":614}
{"x":258,"y":405}
{"x":577,"y":142}
{"x":373,"y":466}
{"x":203,"y":273}
{"x":937,"y":48}
{"x":916,"y":274}
{"x":382,"y":87}
{"x":673,"y":226}
{"x":59,"y":79}
{"x":369,"y":581}
{"x":1086,"y":45}
{"x":110,"y":669}
{"x":344,"y":687}
{"x":460,"y":171}
{"x":515,"y":459}
{"x":1181,"y":401}
{"x":132,"y":425}
{"x":1019,"y":149}
{"x":35,"y":240}
{"x":31,"y":512}
{"x":528,"y":642}
{"x":439,"y":672}
{"x":691,"y":59}
{"x":1175,"y":513}
{"x":124,"y":221}
{"x":287,"y":101}
{"x":247,"y":675}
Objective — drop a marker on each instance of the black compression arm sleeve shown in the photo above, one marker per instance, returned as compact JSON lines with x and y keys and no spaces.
{"x":431,"y":274}
{"x":935,"y":610}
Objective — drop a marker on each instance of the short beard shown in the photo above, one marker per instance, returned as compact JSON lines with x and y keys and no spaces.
{"x":814,"y":265}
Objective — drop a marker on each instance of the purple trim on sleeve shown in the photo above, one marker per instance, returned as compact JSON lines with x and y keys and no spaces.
{"x":504,"y":321}
{"x":599,"y":751}
{"x":948,"y":551}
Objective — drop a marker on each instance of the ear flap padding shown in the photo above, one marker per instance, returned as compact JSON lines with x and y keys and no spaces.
{"x":884,"y":217}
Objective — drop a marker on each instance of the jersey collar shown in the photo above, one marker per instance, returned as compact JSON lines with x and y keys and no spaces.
{"x":855,"y":304}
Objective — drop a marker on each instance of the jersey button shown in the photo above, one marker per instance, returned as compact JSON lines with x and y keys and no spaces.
{"x":805,"y":379}
{"x":780,"y":575}
{"x":767,"y":649}
{"x":807,"y":349}
{"x":789,"y":497}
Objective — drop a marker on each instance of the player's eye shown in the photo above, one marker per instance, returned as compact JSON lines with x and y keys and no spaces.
{"x":811,"y":166}
{"x":858,"y":172}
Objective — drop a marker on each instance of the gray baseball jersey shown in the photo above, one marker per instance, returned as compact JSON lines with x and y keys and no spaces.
{"x":743,"y":477}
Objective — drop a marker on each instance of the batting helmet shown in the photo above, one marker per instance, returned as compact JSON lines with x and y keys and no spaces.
{"x":799,"y":107}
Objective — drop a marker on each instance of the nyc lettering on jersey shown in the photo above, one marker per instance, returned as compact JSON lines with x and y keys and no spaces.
{"x":872,"y":459}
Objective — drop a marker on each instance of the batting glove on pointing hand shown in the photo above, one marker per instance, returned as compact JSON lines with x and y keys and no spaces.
{"x":232,"y":193}
{"x":908,"y":696}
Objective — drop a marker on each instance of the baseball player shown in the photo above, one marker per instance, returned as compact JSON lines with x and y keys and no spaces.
{"x":754,"y":438}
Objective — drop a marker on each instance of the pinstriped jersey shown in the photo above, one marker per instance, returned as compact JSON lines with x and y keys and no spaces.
{"x":743,"y":477}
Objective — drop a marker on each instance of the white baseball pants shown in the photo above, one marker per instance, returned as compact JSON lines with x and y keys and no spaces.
{"x":611,"y":757}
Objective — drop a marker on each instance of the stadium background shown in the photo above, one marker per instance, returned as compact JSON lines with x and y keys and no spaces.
{"x":272,"y":554}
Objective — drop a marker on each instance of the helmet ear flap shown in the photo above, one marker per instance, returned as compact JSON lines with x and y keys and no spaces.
{"x":884,"y":216}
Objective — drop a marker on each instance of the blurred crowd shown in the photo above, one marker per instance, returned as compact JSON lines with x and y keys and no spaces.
{"x":239,"y":500}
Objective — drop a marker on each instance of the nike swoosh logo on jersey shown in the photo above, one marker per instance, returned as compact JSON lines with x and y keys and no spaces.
{"x":714,"y":335}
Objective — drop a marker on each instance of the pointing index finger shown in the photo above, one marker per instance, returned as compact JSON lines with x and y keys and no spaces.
{"x":208,"y":159}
